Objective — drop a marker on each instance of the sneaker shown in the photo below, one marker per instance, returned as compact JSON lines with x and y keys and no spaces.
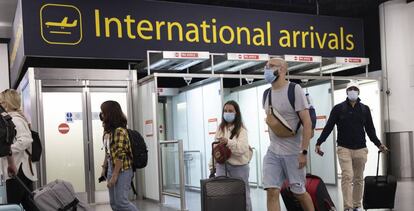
{"x":358,"y":209}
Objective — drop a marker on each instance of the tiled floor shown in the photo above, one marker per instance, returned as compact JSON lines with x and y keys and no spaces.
{"x":404,"y":200}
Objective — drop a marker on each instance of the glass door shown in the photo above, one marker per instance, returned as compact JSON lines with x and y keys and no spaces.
{"x":96,"y":99}
{"x":73,"y":137}
{"x":64,"y":133}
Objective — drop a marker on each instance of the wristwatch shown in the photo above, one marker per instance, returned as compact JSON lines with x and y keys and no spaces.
{"x":304,"y":152}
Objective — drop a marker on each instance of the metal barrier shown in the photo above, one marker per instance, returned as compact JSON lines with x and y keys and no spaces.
{"x":188,"y":158}
{"x":177,"y":149}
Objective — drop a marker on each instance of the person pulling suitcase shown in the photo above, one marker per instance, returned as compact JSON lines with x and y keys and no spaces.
{"x":11,"y":101}
{"x":232,"y":137}
{"x":353,"y":119}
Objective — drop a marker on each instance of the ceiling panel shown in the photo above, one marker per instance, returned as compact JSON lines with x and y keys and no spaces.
{"x":7,"y":9}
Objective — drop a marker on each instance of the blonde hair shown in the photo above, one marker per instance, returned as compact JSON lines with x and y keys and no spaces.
{"x":11,"y":100}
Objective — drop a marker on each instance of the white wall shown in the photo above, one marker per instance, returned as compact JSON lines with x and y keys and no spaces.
{"x":4,"y":67}
{"x":147,"y":93}
{"x":397,"y":51}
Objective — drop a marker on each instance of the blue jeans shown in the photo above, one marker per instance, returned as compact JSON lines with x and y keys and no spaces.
{"x":239,"y":172}
{"x":118,"y":194}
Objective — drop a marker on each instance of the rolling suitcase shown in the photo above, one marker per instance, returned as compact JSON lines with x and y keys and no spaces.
{"x":316,"y":189}
{"x":379,"y":191}
{"x":222,"y":193}
{"x":10,"y":207}
{"x":57,"y":195}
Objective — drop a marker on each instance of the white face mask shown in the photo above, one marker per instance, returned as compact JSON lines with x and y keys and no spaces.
{"x":352,"y":95}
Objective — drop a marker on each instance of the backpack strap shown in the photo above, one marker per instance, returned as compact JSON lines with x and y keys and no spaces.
{"x":133,"y":186}
{"x":291,"y":94}
{"x":292,"y":98}
{"x":265,"y":95}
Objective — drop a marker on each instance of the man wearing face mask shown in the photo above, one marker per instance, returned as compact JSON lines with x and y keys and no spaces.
{"x":286,"y":157}
{"x":351,"y":118}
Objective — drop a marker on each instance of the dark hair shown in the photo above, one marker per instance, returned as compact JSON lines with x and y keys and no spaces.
{"x":238,"y":122}
{"x":113,"y":117}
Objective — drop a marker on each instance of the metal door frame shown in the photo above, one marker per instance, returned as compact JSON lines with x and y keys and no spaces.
{"x":85,"y":81}
{"x":89,"y":162}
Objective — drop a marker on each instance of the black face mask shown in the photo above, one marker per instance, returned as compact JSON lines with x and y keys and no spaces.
{"x":101,"y":116}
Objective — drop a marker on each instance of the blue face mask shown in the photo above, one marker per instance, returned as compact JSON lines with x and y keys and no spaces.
{"x":352,"y":95}
{"x":269,"y":75}
{"x":229,"y":117}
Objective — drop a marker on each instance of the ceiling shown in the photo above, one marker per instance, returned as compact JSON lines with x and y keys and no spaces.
{"x":7,"y":9}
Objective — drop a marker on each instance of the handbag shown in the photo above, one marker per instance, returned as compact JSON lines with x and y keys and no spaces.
{"x":276,"y":122}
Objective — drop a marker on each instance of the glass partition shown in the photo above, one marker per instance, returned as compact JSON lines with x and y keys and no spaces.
{"x":64,"y":137}
{"x":323,"y":166}
{"x":170,"y":165}
{"x":196,"y":111}
{"x":97,"y":98}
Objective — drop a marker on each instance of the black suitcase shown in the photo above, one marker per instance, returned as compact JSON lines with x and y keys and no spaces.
{"x":379,"y":191}
{"x":223,"y":193}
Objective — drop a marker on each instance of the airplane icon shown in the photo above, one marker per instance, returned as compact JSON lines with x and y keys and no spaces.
{"x":64,"y":23}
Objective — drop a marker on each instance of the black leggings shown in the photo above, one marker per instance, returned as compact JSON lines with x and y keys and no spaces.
{"x":16,"y":194}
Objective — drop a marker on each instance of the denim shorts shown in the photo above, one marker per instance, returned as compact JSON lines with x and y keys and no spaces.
{"x":278,"y":168}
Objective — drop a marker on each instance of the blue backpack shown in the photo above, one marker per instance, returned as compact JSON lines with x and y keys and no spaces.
{"x":291,"y":96}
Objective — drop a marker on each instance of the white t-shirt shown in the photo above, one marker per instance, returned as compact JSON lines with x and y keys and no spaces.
{"x":280,"y":102}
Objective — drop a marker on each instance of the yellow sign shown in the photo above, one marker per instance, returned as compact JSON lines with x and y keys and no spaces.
{"x":61,"y":24}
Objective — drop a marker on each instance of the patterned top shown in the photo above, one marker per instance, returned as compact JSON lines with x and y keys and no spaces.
{"x":120,"y":148}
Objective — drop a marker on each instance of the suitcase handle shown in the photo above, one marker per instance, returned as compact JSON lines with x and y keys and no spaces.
{"x":212,"y":157}
{"x":17,"y":178}
{"x":378,"y":161}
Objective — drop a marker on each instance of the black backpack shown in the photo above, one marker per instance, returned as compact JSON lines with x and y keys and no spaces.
{"x":139,"y":150}
{"x":7,"y":132}
{"x":291,"y":96}
{"x":36,"y":147}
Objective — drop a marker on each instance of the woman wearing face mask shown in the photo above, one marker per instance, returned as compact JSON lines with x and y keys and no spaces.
{"x":233,"y":134}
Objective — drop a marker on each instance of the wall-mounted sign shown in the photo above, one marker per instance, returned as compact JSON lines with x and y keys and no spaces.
{"x":320,"y":123}
{"x":212,"y":126}
{"x":247,"y":56}
{"x":63,"y":128}
{"x":69,"y":117}
{"x":352,"y":60}
{"x":303,"y":58}
{"x":148,"y":128}
{"x":125,"y":31}
{"x":185,"y":55}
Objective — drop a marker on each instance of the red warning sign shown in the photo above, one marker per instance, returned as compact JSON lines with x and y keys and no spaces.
{"x":63,"y":128}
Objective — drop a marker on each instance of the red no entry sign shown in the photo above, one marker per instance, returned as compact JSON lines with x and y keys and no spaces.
{"x":63,"y":128}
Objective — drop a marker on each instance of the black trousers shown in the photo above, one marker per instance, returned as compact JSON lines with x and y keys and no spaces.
{"x":17,"y":194}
